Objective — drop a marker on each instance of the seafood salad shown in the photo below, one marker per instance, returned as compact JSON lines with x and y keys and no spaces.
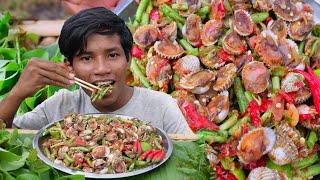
{"x":104,"y":144}
{"x":104,"y":89}
{"x":245,"y":75}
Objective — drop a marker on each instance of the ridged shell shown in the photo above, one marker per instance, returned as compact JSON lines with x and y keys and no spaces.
{"x":302,"y":95}
{"x":300,"y":29}
{"x":287,"y":10}
{"x":192,"y":29}
{"x":262,"y":5}
{"x":218,"y":107}
{"x":146,"y":35}
{"x":168,"y":49}
{"x":264,"y":173}
{"x":188,"y":64}
{"x":291,"y":57}
{"x":233,"y":44}
{"x":169,"y":31}
{"x":211,"y":32}
{"x":225,"y":77}
{"x":279,"y":27}
{"x":255,"y":77}
{"x":292,"y":82}
{"x":313,"y":124}
{"x":242,"y":22}
{"x":198,"y":82}
{"x":256,"y":143}
{"x":212,"y":60}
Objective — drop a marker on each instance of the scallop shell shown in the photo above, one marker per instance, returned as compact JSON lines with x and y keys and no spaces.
{"x":300,"y":29}
{"x":279,"y":27}
{"x":256,"y":143}
{"x":302,"y":95}
{"x":212,"y":60}
{"x":168,"y":49}
{"x":290,"y":53}
{"x":262,"y":5}
{"x":292,"y":82}
{"x":146,"y":35}
{"x":242,"y":22}
{"x":255,"y":77}
{"x":188,"y":64}
{"x":198,"y":82}
{"x":219,"y":107}
{"x":211,"y":32}
{"x":192,"y":29}
{"x":287,"y":10}
{"x":233,"y":44}
{"x":169,"y":31}
{"x":313,"y":124}
{"x":264,"y":173}
{"x":225,"y":77}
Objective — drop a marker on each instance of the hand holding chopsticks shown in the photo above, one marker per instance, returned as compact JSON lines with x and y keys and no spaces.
{"x":86,"y":85}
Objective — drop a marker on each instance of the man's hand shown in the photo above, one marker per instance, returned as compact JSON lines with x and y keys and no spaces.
{"x":74,"y":6}
{"x":39,"y":73}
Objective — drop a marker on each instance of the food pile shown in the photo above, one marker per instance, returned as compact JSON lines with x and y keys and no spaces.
{"x":246,"y":77}
{"x":104,"y":144}
{"x":104,"y":89}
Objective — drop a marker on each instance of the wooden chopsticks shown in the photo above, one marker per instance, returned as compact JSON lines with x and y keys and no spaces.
{"x":86,"y":85}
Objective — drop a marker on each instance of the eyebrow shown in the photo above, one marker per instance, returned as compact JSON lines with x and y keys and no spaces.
{"x":106,"y":50}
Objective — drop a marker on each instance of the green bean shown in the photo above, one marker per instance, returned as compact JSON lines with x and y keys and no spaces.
{"x":145,"y":17}
{"x":316,"y":30}
{"x":259,"y":16}
{"x":314,"y":47}
{"x":79,"y":149}
{"x":227,"y":5}
{"x":213,"y":136}
{"x":138,"y":74}
{"x":141,"y":163}
{"x":67,"y":157}
{"x":230,"y":121}
{"x":204,"y":11}
{"x":312,"y":139}
{"x":275,"y":84}
{"x":131,"y":167}
{"x":190,"y":50}
{"x":141,"y":8}
{"x":169,"y":12}
{"x":305,"y":162}
{"x":286,"y":168}
{"x":47,"y":152}
{"x":311,"y":170}
{"x":89,"y":161}
{"x":180,"y":6}
{"x":239,"y":174}
{"x":63,"y":135}
{"x":234,"y":128}
{"x":278,"y":71}
{"x":301,"y":46}
{"x":241,"y":98}
{"x":317,"y":71}
{"x":249,"y":96}
{"x":266,"y":116}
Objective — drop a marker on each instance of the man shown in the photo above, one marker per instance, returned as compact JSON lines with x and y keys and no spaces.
{"x":96,"y":44}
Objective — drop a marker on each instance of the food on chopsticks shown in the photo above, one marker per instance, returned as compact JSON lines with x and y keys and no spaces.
{"x":104,"y":144}
{"x":246,"y":77}
{"x":105,"y":88}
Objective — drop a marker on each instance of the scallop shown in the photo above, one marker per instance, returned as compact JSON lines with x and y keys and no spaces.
{"x":242,"y":22}
{"x":169,"y":31}
{"x":300,"y":29}
{"x":292,"y":82}
{"x":279,"y":27}
{"x":264,"y":173}
{"x":188,"y":64}
{"x":168,"y":49}
{"x":233,"y":44}
{"x":192,"y":29}
{"x":218,"y":107}
{"x":146,"y":35}
{"x":212,"y":60}
{"x":225,"y":77}
{"x":211,"y":32}
{"x":255,"y":77}
{"x":287,"y":10}
{"x":198,"y":82}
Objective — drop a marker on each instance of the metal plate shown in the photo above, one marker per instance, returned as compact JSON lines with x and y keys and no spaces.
{"x":37,"y":141}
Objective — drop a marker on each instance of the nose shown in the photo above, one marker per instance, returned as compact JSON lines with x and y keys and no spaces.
{"x":102,"y":66}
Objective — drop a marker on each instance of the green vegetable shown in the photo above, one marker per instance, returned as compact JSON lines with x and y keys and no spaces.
{"x":316,"y":30}
{"x":239,"y":174}
{"x":145,"y":146}
{"x":180,"y":6}
{"x":275,"y":84}
{"x":204,"y":11}
{"x":286,"y":168}
{"x":79,"y":149}
{"x":227,"y":5}
{"x":230,"y":121}
{"x":317,"y":71}
{"x":311,"y":170}
{"x":146,"y":14}
{"x":141,"y":163}
{"x":259,"y":17}
{"x":241,"y":99}
{"x":305,"y":162}
{"x":312,"y":139}
{"x":169,"y":12}
{"x":138,"y":74}
{"x":141,"y":8}
{"x":191,"y":50}
{"x":279,"y":71}
{"x":213,"y":136}
{"x":301,"y":46}
{"x":314,"y":47}
{"x":236,"y":127}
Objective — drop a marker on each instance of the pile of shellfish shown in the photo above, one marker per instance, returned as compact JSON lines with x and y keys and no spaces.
{"x":242,"y":66}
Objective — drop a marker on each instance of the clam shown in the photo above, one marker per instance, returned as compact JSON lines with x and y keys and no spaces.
{"x":225,"y":77}
{"x":264,"y":173}
{"x":242,"y":22}
{"x":198,"y":82}
{"x":211,"y":32}
{"x":192,"y":29}
{"x":169,"y":31}
{"x":300,"y":29}
{"x":218,"y":108}
{"x":100,"y":152}
{"x":287,"y":10}
{"x":255,"y":77}
{"x":292,"y":82}
{"x":188,"y":64}
{"x":168,"y":49}
{"x":278,"y":27}
{"x":256,"y":143}
{"x":193,"y":6}
{"x":263,"y":5}
{"x":242,"y":60}
{"x":212,"y":60}
{"x":302,"y":95}
{"x":233,"y":44}
{"x":146,"y":35}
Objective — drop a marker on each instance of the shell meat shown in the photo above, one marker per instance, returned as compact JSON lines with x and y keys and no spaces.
{"x":211,"y":32}
{"x":233,"y":44}
{"x":255,"y":77}
{"x":255,"y":144}
{"x":168,"y":49}
{"x":218,"y":107}
{"x":212,"y":60}
{"x":225,"y":77}
{"x":198,"y":82}
{"x":242,"y":22}
{"x":264,"y":173}
{"x":146,"y":35}
{"x":169,"y":31}
{"x":290,"y":53}
{"x":300,"y":29}
{"x":188,"y":64}
{"x":278,"y":27}
{"x":287,"y":10}
{"x":192,"y":29}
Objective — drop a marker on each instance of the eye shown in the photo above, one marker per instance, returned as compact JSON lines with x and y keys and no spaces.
{"x":113,"y":55}
{"x":85,"y":58}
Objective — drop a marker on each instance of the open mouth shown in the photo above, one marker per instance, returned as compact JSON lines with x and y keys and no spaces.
{"x":105,"y":83}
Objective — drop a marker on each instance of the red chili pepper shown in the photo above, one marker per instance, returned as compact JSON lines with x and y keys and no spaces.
{"x":158,"y":156}
{"x":136,"y":52}
{"x":223,"y":174}
{"x":260,"y":163}
{"x":265,"y":105}
{"x":314,"y":150}
{"x":154,"y":15}
{"x":198,"y":44}
{"x":222,"y":54}
{"x":226,"y":150}
{"x":303,"y":117}
{"x":268,"y":20}
{"x":287,"y":97}
{"x":195,"y":120}
{"x":144,"y":155}
{"x":152,"y":154}
{"x":254,"y":111}
{"x":221,"y":9}
{"x":137,"y":147}
{"x":314,"y":84}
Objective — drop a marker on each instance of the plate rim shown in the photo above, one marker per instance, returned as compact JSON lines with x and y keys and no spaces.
{"x":64,"y":169}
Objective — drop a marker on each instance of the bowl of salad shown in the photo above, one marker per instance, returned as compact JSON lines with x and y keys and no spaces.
{"x":102,"y":145}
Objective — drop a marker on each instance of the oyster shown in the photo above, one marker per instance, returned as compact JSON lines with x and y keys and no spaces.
{"x":256,"y":143}
{"x":264,"y":173}
{"x":233,"y":44}
{"x":146,"y":35}
{"x":188,"y":64}
{"x":242,"y":22}
{"x":211,"y":32}
{"x":225,"y":77}
{"x":198,"y":82}
{"x":288,"y":10}
{"x":218,"y":108}
{"x":255,"y":77}
{"x":168,"y":49}
{"x":192,"y":29}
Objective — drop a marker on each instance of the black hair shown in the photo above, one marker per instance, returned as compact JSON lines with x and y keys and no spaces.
{"x":79,"y":27}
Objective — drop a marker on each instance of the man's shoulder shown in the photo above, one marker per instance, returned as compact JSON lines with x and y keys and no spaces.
{"x":65,"y":94}
{"x":149,"y":94}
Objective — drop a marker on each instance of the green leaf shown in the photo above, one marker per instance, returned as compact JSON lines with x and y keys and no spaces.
{"x":8,"y":53}
{"x":28,"y":176}
{"x":3,"y":63}
{"x":72,"y":177}
{"x":5,"y":175}
{"x":21,"y":171}
{"x":10,"y":161}
{"x":23,"y":108}
{"x":4,"y":24}
{"x":4,"y":136}
{"x":39,"y":53}
{"x":7,"y":84}
{"x":33,"y":38}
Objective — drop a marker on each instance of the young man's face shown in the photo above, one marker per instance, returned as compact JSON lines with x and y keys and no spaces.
{"x":103,"y":60}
